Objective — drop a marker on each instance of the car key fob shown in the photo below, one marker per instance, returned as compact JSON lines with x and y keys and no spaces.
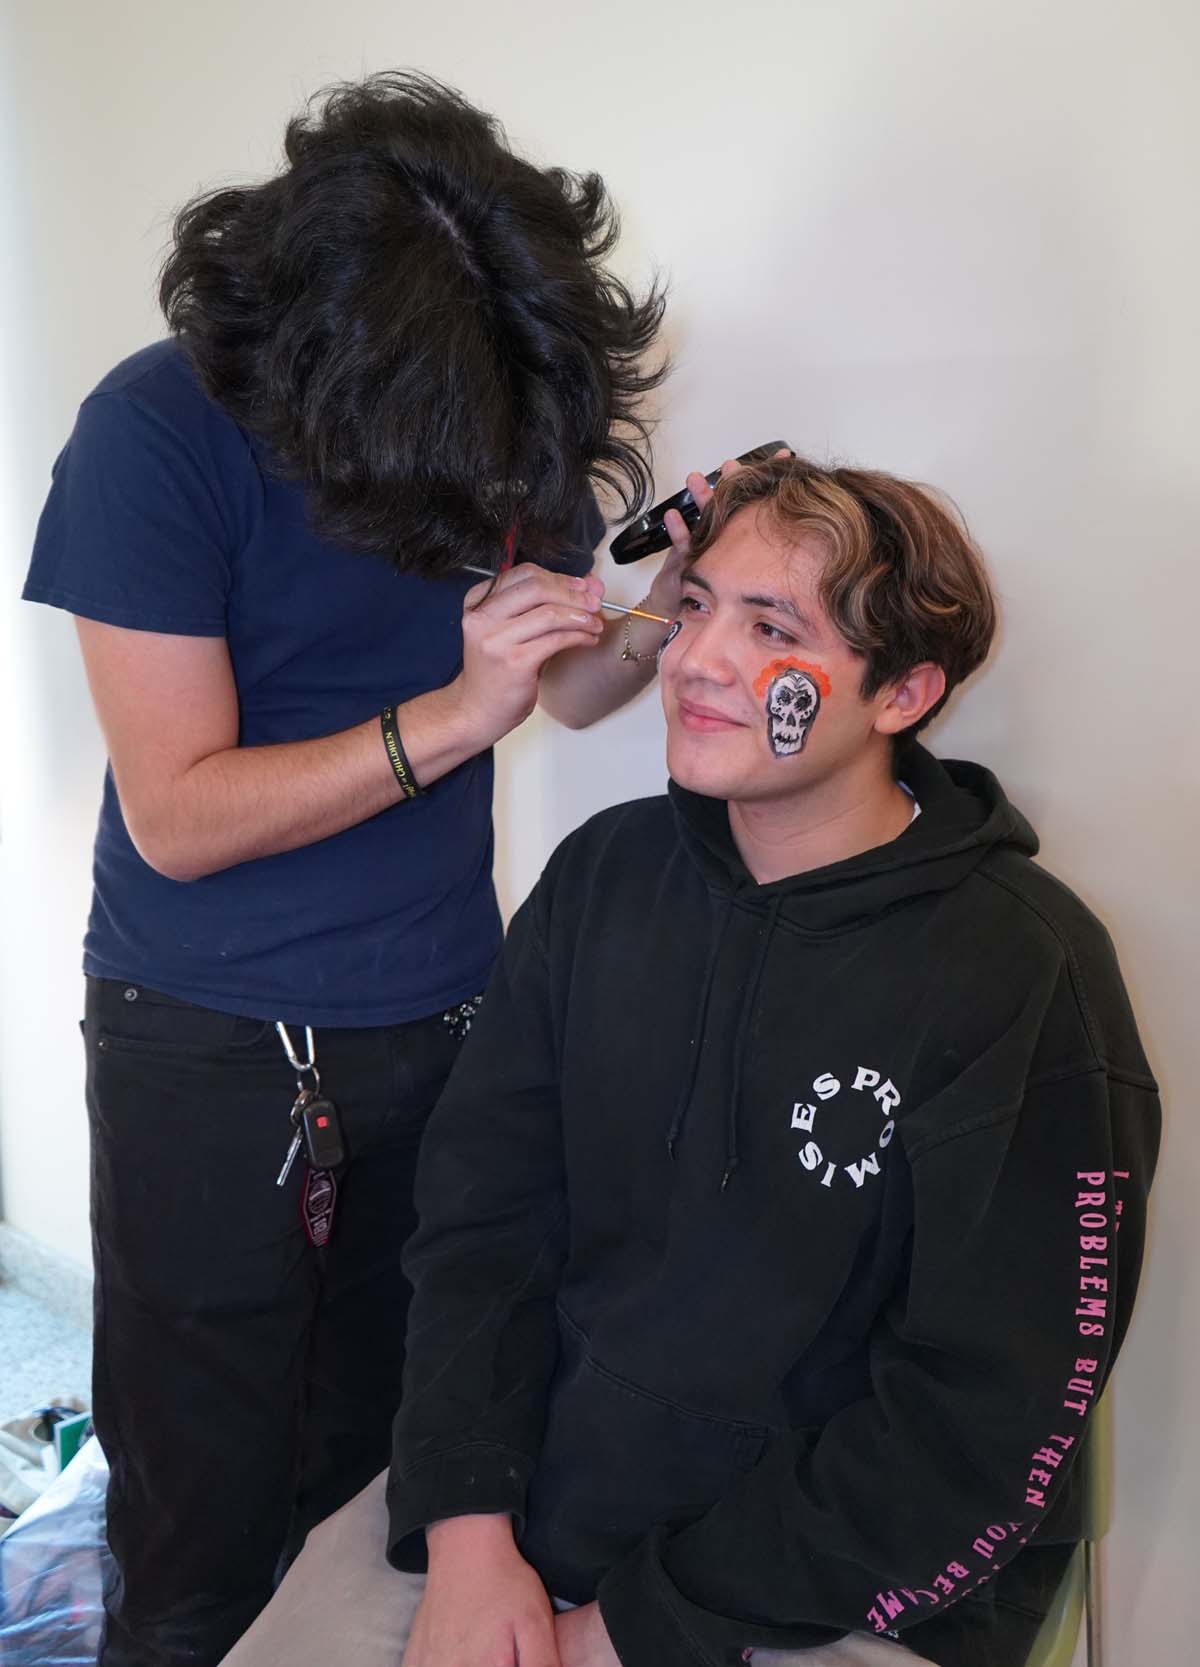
{"x":322,"y":1133}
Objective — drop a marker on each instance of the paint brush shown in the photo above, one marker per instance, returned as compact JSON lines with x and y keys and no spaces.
{"x":636,"y":613}
{"x":613,"y":607}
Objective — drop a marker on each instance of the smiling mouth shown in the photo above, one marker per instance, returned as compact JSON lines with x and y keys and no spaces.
{"x":704,"y":720}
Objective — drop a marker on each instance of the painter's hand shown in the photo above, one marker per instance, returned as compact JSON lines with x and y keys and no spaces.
{"x":483,"y":1605}
{"x":583,"y":1639}
{"x":510,"y":629}
{"x":681,"y":538}
{"x":663,"y":597}
{"x":664,"y":594}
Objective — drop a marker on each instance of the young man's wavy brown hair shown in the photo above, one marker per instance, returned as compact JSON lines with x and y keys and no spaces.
{"x":902,"y":581}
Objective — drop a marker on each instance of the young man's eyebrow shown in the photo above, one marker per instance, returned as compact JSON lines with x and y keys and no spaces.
{"x":780,"y":604}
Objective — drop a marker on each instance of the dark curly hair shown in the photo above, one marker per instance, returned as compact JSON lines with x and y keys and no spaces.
{"x":420,"y":327}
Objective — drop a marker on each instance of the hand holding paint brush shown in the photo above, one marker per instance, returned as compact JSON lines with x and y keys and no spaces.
{"x":613,"y":607}
{"x":646,"y":535}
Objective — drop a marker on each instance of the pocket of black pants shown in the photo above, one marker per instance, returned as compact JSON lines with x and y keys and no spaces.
{"x":133,"y":1018}
{"x":189,"y":1117}
{"x":617,"y":1460}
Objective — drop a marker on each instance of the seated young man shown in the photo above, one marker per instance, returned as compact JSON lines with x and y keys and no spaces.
{"x":768,"y":1267}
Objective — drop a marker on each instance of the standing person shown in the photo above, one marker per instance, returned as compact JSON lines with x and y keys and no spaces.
{"x":768,"y":1266}
{"x":400,"y":355}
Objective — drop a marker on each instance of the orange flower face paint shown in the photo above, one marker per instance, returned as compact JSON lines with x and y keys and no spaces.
{"x":776,"y":669}
{"x":793,"y":691}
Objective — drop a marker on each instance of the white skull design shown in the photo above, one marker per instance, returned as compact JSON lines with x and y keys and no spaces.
{"x":793,"y":701}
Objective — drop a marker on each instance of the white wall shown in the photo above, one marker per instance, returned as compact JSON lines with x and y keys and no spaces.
{"x":953,"y":240}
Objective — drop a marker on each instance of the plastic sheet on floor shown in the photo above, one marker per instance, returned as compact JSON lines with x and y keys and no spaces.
{"x":52,"y":1566}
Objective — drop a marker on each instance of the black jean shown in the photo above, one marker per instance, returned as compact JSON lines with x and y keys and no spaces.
{"x":244,"y":1382}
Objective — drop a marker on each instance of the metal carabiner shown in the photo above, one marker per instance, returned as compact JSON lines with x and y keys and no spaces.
{"x":301,"y":1066}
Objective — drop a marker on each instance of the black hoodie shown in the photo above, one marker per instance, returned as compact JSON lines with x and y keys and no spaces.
{"x":768,"y":1261}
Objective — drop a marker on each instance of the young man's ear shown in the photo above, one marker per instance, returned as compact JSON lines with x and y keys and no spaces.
{"x":907,"y":702}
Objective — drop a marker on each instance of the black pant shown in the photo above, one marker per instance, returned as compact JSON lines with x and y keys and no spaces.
{"x":244,"y":1382}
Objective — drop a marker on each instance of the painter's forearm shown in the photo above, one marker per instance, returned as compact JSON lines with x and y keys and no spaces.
{"x":247,"y":802}
{"x":582,"y":685}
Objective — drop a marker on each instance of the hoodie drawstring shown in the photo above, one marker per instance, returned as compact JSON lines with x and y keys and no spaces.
{"x":749,"y":1002}
{"x":681,"y":1105}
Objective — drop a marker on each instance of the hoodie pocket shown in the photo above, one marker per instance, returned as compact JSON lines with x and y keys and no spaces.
{"x":617,"y":1460}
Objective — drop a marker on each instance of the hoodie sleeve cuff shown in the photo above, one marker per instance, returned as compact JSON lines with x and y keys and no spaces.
{"x":642,"y":1627}
{"x":652,"y":1624}
{"x":473,"y":1480}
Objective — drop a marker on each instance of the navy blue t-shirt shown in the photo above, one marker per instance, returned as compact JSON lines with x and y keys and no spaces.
{"x":163,"y":517}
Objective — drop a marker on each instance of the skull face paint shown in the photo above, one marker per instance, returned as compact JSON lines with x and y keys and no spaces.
{"x":676,"y":628}
{"x":793,"y":690}
{"x":793,"y":701}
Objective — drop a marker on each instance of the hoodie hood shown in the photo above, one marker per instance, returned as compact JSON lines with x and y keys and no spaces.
{"x":964,"y":816}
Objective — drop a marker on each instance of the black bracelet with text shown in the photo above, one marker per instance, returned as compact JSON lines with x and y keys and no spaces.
{"x":395,"y":751}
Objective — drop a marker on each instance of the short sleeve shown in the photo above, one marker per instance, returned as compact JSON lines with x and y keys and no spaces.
{"x":133,"y":531}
